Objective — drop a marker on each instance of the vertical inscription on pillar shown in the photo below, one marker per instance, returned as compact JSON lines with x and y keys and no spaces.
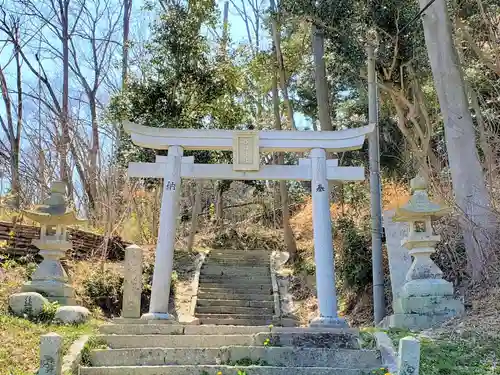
{"x":320,"y":188}
{"x":246,"y":151}
{"x":170,"y":186}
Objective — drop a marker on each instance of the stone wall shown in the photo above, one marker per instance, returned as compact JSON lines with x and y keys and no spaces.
{"x":18,"y":239}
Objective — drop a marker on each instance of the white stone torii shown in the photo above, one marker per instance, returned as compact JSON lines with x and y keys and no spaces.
{"x":246,"y":147}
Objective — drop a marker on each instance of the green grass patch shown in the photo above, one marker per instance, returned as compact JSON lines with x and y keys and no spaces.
{"x":466,"y":354}
{"x":92,"y":343}
{"x":20,"y":342}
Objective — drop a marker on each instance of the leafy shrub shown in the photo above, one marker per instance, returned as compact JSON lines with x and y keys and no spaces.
{"x":48,"y":313}
{"x":103,"y":288}
{"x":353,"y":262}
{"x":30,"y":269}
{"x":91,"y":344}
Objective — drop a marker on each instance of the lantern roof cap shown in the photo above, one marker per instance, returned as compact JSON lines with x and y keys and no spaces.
{"x":419,"y":206}
{"x":54,"y":210}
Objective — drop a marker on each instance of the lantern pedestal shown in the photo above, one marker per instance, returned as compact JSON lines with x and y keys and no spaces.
{"x":50,"y":278}
{"x":425,"y":299}
{"x":54,"y":215}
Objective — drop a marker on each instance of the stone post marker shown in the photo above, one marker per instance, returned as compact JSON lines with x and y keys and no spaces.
{"x":409,"y":356}
{"x":425,"y":299}
{"x":51,"y":354}
{"x":132,"y":283}
{"x":54,"y":216}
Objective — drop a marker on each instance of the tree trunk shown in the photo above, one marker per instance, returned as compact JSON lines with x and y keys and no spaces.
{"x":194,"y":215}
{"x":320,"y":79}
{"x":321,"y":84}
{"x":219,"y":208}
{"x":65,"y":139}
{"x":127,"y":10}
{"x":94,"y":151}
{"x":275,"y":26}
{"x":16,"y":145}
{"x":288,"y":235}
{"x":471,"y":194}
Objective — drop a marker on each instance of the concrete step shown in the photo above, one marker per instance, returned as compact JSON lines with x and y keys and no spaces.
{"x":257,"y":317}
{"x":227,"y":288}
{"x":142,"y":329}
{"x":235,"y":322}
{"x":340,"y":339}
{"x":237,"y":280}
{"x":234,"y":271}
{"x":237,"y":262}
{"x":214,"y":369}
{"x":241,"y":296}
{"x":174,"y":341}
{"x":234,"y":302}
{"x":240,"y":260}
{"x":176,"y":329}
{"x":235,"y":284}
{"x":270,"y":356}
{"x":237,"y":267}
{"x":233,"y":310}
{"x":226,"y":252}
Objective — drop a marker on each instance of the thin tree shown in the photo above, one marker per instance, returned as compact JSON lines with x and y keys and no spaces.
{"x":472,"y":197}
{"x":276,"y":36}
{"x":127,"y":11}
{"x":13,"y":122}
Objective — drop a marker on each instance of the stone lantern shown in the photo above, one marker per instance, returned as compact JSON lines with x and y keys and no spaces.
{"x":50,"y":278}
{"x":425,"y":299}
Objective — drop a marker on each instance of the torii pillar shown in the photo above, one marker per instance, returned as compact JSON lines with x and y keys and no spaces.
{"x":323,"y":244}
{"x":164,"y":257}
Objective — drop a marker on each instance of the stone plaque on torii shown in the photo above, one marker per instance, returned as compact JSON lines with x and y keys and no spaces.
{"x":246,"y":147}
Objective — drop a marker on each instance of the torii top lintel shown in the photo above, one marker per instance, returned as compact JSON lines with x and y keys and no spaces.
{"x":278,"y":140}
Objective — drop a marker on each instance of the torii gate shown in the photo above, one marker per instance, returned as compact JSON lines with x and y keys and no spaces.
{"x":246,"y":147}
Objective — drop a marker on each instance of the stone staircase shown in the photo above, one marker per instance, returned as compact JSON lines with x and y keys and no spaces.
{"x":166,"y":348}
{"x":235,"y":288}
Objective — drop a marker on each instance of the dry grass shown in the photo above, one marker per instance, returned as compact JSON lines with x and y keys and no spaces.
{"x":468,"y":345}
{"x":20,"y":338}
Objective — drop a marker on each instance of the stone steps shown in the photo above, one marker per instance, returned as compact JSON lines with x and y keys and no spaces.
{"x":236,"y":296}
{"x":226,"y":288}
{"x":243,"y":255}
{"x":235,"y":272}
{"x":235,"y":319}
{"x":271,"y":356}
{"x":176,"y":341}
{"x":215,"y":369}
{"x":234,"y":302}
{"x":138,"y":347}
{"x":212,"y":309}
{"x":178,"y":329}
{"x":244,"y":263}
{"x":225,"y":252}
{"x":236,"y":267}
{"x":236,"y":281}
{"x":267,"y":317}
{"x":235,"y":288}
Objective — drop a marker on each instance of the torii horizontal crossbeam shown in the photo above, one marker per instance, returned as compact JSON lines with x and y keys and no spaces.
{"x":208,"y":139}
{"x":301,"y":172}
